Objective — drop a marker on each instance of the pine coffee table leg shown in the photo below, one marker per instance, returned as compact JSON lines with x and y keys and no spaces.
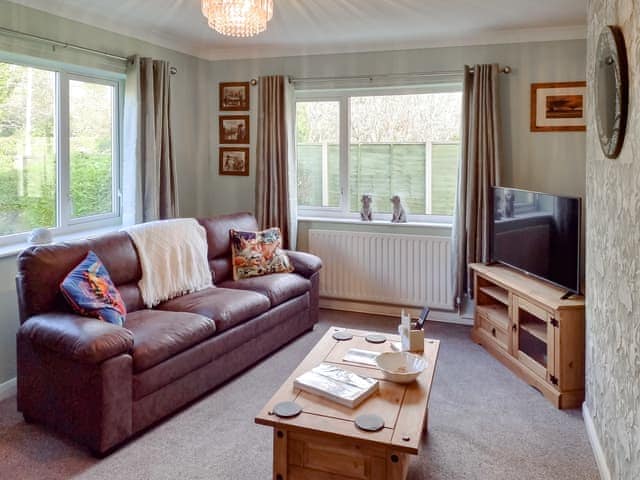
{"x":397,"y":466}
{"x":279,"y":454}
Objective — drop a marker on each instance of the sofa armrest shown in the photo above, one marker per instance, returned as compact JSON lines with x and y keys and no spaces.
{"x":87,"y":340}
{"x":304,"y":264}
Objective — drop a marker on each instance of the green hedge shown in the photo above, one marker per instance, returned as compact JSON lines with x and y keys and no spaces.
{"x":28,"y":197}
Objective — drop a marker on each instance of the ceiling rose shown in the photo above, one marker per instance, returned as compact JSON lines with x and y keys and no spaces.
{"x":238,"y":18}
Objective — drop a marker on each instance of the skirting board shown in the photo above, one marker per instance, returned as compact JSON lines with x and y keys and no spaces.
{"x":601,"y":460}
{"x":8,"y":389}
{"x":391,"y":310}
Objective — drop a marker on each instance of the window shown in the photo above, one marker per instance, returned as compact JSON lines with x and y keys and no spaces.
{"x":318,"y":139}
{"x":59,"y":151}
{"x":382,"y":143}
{"x":91,"y":129}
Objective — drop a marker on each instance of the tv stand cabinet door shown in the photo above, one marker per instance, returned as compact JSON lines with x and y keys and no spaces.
{"x":534,"y":338}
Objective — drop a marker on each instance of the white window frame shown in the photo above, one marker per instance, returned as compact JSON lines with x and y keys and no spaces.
{"x":65,"y":222}
{"x":342,"y":96}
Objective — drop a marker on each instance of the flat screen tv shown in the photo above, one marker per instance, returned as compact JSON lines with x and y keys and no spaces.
{"x":537,"y":233}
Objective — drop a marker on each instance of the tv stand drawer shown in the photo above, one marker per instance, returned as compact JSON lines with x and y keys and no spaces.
{"x":492,"y":331}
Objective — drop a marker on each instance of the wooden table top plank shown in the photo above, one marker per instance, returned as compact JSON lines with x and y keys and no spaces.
{"x":403,"y":407}
{"x":412,"y":416}
{"x":331,"y":426}
{"x":388,"y":394}
{"x":286,"y":392}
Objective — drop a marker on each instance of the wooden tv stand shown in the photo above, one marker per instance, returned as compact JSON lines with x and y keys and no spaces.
{"x":524,"y":323}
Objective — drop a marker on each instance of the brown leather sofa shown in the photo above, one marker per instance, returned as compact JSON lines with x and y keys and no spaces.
{"x":100,"y":383}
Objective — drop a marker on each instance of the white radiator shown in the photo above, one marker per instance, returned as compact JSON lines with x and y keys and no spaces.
{"x":407,"y":270}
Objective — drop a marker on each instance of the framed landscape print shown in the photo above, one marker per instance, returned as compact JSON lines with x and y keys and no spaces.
{"x":234,"y":161}
{"x":234,"y":129}
{"x":234,"y":96}
{"x":558,"y":107}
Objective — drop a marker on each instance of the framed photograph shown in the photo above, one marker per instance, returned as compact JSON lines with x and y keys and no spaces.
{"x":558,"y":107}
{"x":234,"y":96}
{"x":234,"y":129}
{"x":234,"y":161}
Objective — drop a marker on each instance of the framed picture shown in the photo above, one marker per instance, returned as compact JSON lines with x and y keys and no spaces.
{"x":234,"y":161}
{"x":234,"y":129}
{"x":234,"y":96}
{"x":558,"y":107}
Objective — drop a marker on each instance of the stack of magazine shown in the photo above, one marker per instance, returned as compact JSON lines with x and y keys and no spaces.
{"x":334,"y":383}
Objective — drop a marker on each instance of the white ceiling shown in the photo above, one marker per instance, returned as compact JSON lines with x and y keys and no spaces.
{"x":303,"y":27}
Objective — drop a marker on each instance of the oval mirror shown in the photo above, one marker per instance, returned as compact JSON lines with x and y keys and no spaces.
{"x":611,"y":90}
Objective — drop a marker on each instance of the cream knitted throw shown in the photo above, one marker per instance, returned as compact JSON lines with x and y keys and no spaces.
{"x":173,"y":258}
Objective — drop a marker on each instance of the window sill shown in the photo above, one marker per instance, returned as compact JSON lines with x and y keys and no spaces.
{"x":353,"y":221}
{"x":14,"y":249}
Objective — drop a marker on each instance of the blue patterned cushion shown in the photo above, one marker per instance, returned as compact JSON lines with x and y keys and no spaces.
{"x":90,"y":291}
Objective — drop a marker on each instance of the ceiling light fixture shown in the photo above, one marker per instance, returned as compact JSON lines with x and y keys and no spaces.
{"x":238,"y":18}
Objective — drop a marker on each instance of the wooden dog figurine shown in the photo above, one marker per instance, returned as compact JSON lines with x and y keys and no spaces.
{"x":366,"y":213}
{"x":399,"y":214}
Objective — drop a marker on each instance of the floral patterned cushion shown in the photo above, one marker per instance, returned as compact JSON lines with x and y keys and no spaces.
{"x":258,"y":253}
{"x":90,"y":291}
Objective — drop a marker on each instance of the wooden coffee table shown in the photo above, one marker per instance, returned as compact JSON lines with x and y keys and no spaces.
{"x":323,"y":443}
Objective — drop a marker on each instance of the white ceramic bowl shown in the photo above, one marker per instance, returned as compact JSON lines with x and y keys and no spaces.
{"x":401,"y":367}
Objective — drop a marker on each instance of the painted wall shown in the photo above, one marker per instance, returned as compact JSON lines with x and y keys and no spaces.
{"x":190,"y":143}
{"x":8,"y":319}
{"x":613,"y":268}
{"x":551,"y":162}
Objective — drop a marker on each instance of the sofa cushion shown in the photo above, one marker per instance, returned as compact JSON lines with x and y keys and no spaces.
{"x":90,"y":292}
{"x":219,"y":241}
{"x":278,"y":287}
{"x":226,"y":349}
{"x":258,"y":253}
{"x":225,"y":307}
{"x":221,"y":346}
{"x":159,"y":335}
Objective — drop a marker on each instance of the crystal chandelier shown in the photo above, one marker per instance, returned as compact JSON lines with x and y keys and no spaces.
{"x":238,"y":18}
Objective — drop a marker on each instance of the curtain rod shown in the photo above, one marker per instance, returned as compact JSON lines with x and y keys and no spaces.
{"x":506,"y":69}
{"x":57,"y":43}
{"x":71,"y":46}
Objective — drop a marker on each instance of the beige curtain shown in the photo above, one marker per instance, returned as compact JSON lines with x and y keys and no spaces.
{"x":150,"y":176}
{"x":275,"y":170}
{"x":479,"y":169}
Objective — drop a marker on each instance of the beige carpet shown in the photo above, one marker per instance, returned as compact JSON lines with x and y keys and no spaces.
{"x":484,"y":423}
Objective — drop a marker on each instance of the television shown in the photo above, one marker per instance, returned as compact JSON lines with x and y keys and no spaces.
{"x":537,"y":233}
